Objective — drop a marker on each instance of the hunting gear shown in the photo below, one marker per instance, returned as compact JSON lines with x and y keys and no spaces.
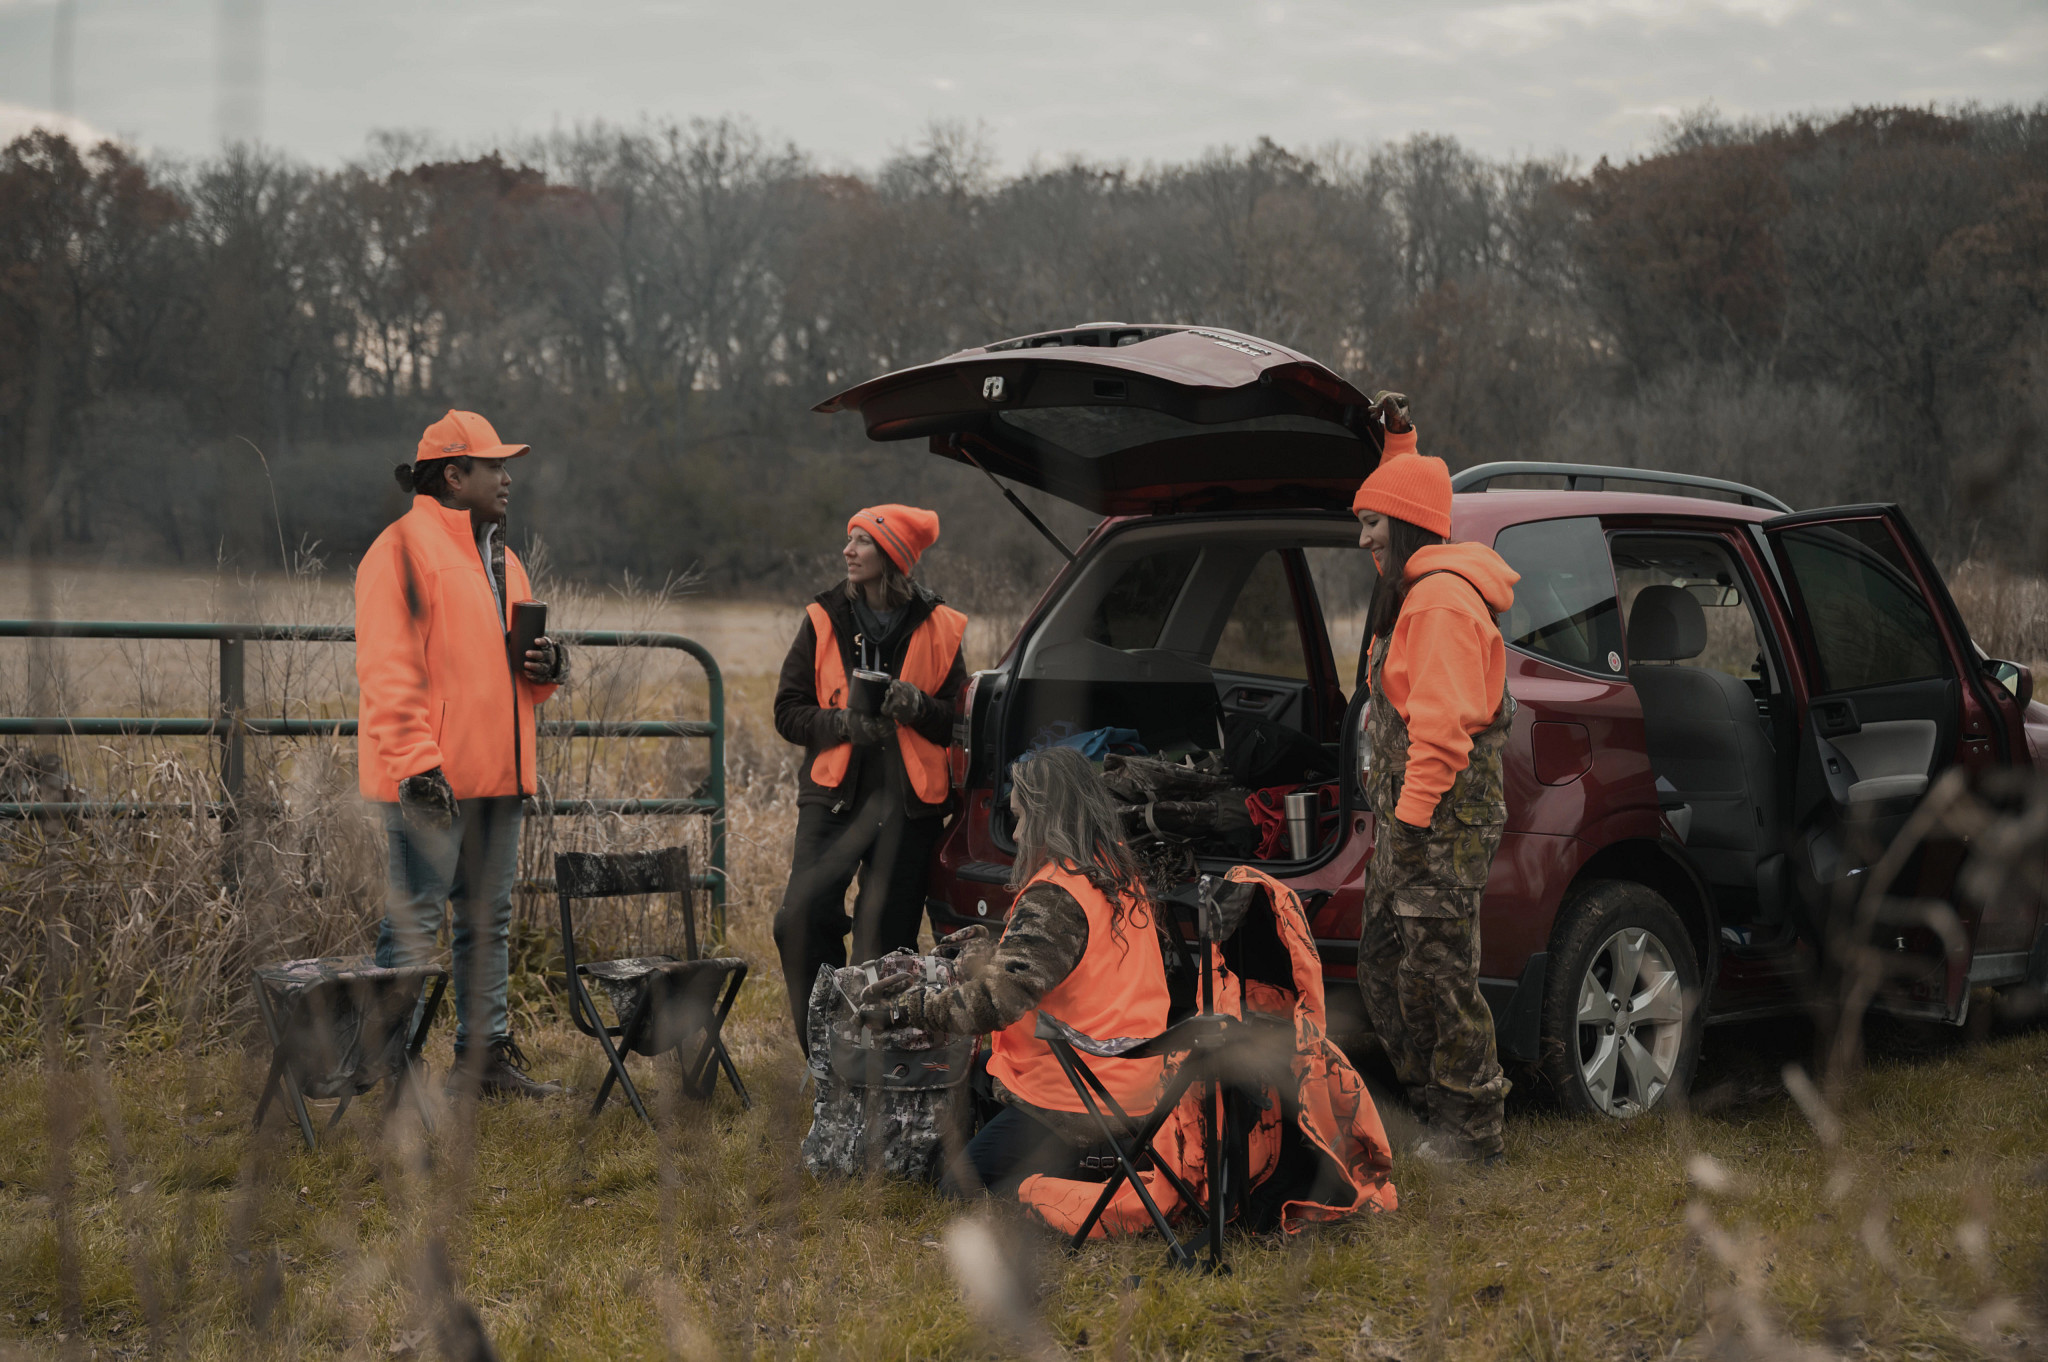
{"x":1439,"y":715}
{"x":867,"y":691}
{"x":446,"y":732}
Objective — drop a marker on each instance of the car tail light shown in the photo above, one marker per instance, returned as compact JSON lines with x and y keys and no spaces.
{"x":958,"y":756}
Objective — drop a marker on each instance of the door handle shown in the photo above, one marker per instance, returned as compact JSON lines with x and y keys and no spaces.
{"x":1832,"y":718}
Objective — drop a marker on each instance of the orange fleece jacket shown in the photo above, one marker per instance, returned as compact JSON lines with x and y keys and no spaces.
{"x":437,"y":687}
{"x":1446,"y":665}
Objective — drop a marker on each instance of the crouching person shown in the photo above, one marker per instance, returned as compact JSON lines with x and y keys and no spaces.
{"x":1080,"y":943}
{"x":446,"y":734}
{"x":1440,"y":714}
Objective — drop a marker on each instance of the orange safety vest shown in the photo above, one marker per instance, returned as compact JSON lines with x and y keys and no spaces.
{"x":1117,"y":989}
{"x":925,"y":665}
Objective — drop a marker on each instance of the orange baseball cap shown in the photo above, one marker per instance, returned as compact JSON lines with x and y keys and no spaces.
{"x":464,"y":432}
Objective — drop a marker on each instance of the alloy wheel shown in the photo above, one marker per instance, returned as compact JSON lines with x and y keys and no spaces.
{"x":1631,"y":1022}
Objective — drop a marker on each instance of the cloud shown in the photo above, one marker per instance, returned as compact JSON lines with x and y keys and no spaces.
{"x":18,"y":120}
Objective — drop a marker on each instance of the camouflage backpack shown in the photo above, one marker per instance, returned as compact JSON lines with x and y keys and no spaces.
{"x":883,"y":1097}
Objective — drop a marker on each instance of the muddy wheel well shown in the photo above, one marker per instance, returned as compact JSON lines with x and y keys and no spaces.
{"x":1648,"y":863}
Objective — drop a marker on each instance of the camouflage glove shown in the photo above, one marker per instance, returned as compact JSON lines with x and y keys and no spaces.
{"x":969,"y":949}
{"x":428,"y":800}
{"x":1392,"y":409}
{"x":893,"y":1002}
{"x":868,"y":730}
{"x":1406,"y":850}
{"x":905,"y":703}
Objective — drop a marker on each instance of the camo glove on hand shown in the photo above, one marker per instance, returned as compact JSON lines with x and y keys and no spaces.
{"x":428,"y":800}
{"x":1392,"y":409}
{"x":970,"y":950}
{"x":869,"y":730}
{"x":892,"y":1002}
{"x":907,"y":705}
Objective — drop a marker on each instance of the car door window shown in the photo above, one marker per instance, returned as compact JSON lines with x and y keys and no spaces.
{"x":1565,"y":608}
{"x":1261,"y":636}
{"x":1135,"y":608}
{"x":1701,"y":567}
{"x":1344,"y":580}
{"x":1866,"y":620}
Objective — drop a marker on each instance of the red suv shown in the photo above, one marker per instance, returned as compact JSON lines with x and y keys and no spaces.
{"x":1725,"y":706}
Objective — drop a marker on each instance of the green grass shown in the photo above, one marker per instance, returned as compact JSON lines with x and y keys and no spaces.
{"x":1923,"y":1237}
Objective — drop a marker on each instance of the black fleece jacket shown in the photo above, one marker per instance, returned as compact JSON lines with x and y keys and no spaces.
{"x":798,"y":716}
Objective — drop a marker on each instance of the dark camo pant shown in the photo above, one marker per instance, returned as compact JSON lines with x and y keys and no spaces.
{"x":1420,"y":978}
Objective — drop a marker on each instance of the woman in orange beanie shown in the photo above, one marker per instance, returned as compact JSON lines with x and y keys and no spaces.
{"x":1438,"y":717}
{"x":874,"y":787}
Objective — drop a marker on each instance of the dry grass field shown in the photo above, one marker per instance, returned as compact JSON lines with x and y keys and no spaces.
{"x":141,"y":1217}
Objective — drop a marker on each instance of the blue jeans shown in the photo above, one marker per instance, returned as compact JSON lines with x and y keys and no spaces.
{"x":473,"y":862}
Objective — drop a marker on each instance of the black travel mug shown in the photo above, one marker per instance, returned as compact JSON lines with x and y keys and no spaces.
{"x":866,"y":693}
{"x":529,"y":625}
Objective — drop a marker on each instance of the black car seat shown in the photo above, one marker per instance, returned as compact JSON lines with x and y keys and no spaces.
{"x":1707,"y":739}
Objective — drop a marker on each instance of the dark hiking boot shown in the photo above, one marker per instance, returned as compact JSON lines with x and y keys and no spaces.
{"x":503,"y":1074}
{"x":1447,"y":1151}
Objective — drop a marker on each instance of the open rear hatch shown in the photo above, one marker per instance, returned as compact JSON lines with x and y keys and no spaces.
{"x":1136,"y":420}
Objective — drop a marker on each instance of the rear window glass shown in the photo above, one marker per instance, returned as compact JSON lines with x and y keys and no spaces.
{"x":1564,"y":607}
{"x":1134,"y":610}
{"x":1864,"y":611}
{"x":1093,"y":432}
{"x":1261,"y":636}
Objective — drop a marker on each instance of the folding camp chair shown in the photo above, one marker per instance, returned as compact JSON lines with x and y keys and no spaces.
{"x":339,"y":1025}
{"x":662,"y":1003}
{"x":1220,"y":1053}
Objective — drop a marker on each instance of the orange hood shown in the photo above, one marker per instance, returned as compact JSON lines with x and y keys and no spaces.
{"x":1476,"y":563}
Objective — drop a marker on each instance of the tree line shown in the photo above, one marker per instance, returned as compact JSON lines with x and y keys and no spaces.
{"x":209,"y":360}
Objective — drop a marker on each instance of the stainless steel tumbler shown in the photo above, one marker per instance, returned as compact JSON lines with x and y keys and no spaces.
{"x":1301,"y":824}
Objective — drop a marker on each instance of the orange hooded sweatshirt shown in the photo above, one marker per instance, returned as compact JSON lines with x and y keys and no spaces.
{"x":431,"y":660}
{"x":1446,"y":665}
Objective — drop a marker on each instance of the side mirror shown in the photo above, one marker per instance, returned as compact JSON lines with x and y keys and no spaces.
{"x":2017,"y":680}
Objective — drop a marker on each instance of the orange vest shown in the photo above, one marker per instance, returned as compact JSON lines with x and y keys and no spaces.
{"x":925,"y":665}
{"x":1117,"y":989}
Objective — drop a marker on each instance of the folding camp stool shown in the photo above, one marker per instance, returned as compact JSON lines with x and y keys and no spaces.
{"x":1221,"y":1053}
{"x":338,"y":1026}
{"x":663,"y":1003}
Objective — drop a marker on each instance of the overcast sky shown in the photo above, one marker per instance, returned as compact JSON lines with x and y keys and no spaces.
{"x":1119,"y":80}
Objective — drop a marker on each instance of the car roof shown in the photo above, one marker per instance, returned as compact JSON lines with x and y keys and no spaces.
{"x":1482,"y":515}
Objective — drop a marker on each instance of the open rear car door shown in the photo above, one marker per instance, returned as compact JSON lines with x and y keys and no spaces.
{"x":1136,"y":420}
{"x":1892,"y":694}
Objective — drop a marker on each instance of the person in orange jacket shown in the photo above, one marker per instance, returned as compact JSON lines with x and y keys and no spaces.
{"x":1081,"y":942}
{"x":445,"y":741}
{"x":1438,"y":718}
{"x":874,"y":788}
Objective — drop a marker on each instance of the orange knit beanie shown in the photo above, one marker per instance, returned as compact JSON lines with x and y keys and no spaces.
{"x":902,"y":532}
{"x":1408,"y":486}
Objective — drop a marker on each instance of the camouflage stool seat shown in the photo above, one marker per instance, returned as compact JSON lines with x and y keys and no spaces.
{"x":340,"y":1025}
{"x":663,"y":1003}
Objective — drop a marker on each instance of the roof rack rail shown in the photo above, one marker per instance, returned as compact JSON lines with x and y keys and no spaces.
{"x":1588,"y":477}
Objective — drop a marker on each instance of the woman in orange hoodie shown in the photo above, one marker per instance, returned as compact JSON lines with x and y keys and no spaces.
{"x":1438,"y":718}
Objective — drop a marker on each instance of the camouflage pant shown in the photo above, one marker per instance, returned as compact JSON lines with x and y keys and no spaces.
{"x":1418,"y":969}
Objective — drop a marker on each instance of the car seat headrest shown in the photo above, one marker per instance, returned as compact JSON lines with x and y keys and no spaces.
{"x":1666,"y":624}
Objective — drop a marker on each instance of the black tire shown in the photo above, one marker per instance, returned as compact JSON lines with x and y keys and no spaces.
{"x":1645,"y":1044}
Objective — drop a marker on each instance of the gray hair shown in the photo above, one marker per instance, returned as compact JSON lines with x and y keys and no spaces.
{"x":1072,"y":822}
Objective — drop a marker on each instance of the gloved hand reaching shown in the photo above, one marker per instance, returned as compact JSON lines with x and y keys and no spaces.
{"x":427,"y":799}
{"x":892,"y":1002}
{"x":968,"y":949}
{"x":1392,"y":409}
